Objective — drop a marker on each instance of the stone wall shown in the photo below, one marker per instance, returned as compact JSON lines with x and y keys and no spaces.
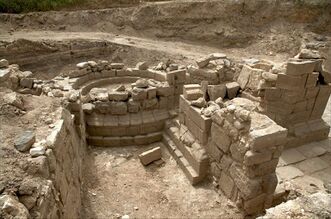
{"x":244,"y":147}
{"x":294,"y":95}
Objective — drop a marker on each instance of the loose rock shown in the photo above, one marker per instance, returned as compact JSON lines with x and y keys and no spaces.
{"x":25,"y":141}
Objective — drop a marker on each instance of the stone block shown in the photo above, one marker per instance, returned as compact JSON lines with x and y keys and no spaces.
{"x":226,"y":184}
{"x":291,"y":97}
{"x":220,"y":137}
{"x":112,"y":141}
{"x":298,"y":68}
{"x":116,"y":66}
{"x":216,"y":91}
{"x":232,"y":89}
{"x":201,"y":135}
{"x":300,"y":106}
{"x":252,"y":158}
{"x":151,"y":92}
{"x":268,"y":137}
{"x":149,"y":156}
{"x":26,"y":82}
{"x":165,"y":91}
{"x":249,"y":188}
{"x":4,"y":74}
{"x":272,"y":94}
{"x":255,"y":204}
{"x":118,"y":108}
{"x":24,"y":141}
{"x":150,"y":104}
{"x":312,"y":79}
{"x":225,"y":162}
{"x":214,"y":151}
{"x":321,"y":101}
{"x":139,"y":94}
{"x":311,"y":93}
{"x":262,"y":169}
{"x":118,"y":95}
{"x":133,"y":106}
{"x":294,"y":83}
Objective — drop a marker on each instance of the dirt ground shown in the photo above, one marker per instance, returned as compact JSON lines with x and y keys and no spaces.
{"x":38,"y":109}
{"x":117,"y":184}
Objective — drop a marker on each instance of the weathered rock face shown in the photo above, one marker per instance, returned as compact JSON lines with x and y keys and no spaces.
{"x":25,"y":141}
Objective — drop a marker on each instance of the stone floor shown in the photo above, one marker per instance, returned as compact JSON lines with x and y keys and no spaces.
{"x":308,"y":167}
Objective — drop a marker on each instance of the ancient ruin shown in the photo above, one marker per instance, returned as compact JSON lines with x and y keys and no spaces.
{"x":119,"y":129}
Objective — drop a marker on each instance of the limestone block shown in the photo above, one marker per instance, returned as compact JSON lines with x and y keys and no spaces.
{"x":99,"y":94}
{"x":220,"y":138}
{"x":4,"y":63}
{"x":133,"y":106}
{"x":112,"y":141}
{"x":118,"y":108}
{"x":201,"y":135}
{"x":165,"y":91}
{"x":270,"y":136}
{"x":163,"y":102}
{"x":252,"y":157}
{"x":203,"y":62}
{"x":123,"y":120}
{"x":244,"y":76}
{"x":280,"y":107}
{"x":108,"y":73}
{"x":262,"y":169}
{"x":292,"y":96}
{"x":126,"y":140}
{"x":151,"y":92}
{"x":214,"y":151}
{"x":176,"y":77}
{"x":248,"y":187}
{"x":232,"y":89}
{"x":149,"y":156}
{"x":226,"y":184}
{"x":269,"y":77}
{"x":216,"y":91}
{"x":198,"y":75}
{"x":88,"y":108}
{"x":255,"y":204}
{"x":78,"y":73}
{"x":26,"y":82}
{"x":139,"y":94}
{"x":321,"y":101}
{"x":272,"y":94}
{"x":142,"y":66}
{"x":297,"y":68}
{"x":312,"y":92}
{"x":37,"y":151}
{"x":312,"y":79}
{"x":150,"y":104}
{"x":117,"y":66}
{"x":289,"y":82}
{"x":118,"y":95}
{"x":225,"y":162}
{"x":215,"y":170}
{"x":102,"y":107}
{"x":192,"y":94}
{"x":24,"y":141}
{"x":4,"y":74}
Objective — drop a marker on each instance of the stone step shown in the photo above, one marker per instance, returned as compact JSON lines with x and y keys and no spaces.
{"x":196,"y":155}
{"x":127,"y":125}
{"x":188,"y":170}
{"x":124,"y":140}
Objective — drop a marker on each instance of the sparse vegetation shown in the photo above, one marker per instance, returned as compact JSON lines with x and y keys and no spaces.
{"x":18,"y":6}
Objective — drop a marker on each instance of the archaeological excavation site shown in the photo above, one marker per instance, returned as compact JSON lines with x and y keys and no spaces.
{"x":165,"y":109}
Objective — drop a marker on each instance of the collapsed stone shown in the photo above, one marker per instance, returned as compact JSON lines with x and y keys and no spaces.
{"x":149,"y":156}
{"x":24,"y":141}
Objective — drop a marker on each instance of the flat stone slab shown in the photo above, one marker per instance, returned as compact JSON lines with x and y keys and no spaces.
{"x":326,"y":144}
{"x":288,"y":172}
{"x":312,"y":165}
{"x":291,"y":156}
{"x":324,"y":175}
{"x":25,"y":141}
{"x":311,"y":150}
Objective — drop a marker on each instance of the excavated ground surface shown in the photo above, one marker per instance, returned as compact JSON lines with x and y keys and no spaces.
{"x":115,"y":182}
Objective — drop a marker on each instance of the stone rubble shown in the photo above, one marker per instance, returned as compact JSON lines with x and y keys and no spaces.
{"x":24,"y":141}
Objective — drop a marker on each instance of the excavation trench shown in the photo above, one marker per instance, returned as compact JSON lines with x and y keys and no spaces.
{"x":221,"y":126}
